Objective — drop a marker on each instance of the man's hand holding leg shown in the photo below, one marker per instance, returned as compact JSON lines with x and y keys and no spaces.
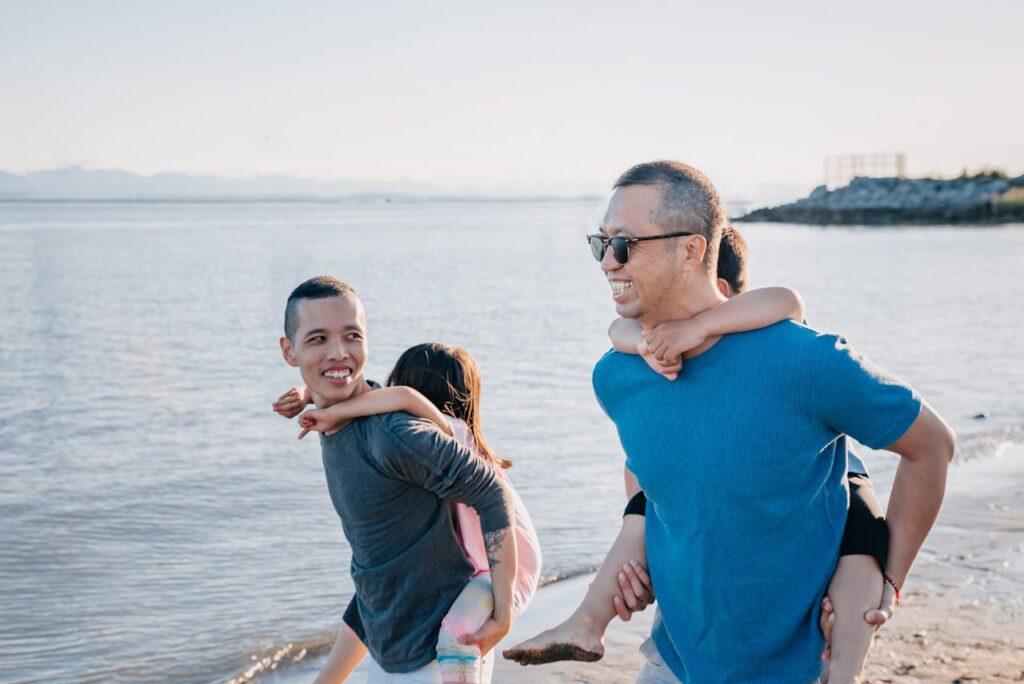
{"x":635,"y":591}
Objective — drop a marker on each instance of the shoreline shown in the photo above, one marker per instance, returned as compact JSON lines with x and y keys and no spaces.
{"x":961,"y":619}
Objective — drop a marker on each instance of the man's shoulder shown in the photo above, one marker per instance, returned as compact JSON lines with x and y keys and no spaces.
{"x":397,"y":424}
{"x":615,"y":360}
{"x":381,"y":431}
{"x":386,"y":439}
{"x":609,"y":358}
{"x":787,"y":337}
{"x":786,"y":331}
{"x":615,"y":367}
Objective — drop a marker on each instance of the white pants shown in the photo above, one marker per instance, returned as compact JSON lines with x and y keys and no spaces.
{"x":654,"y":670}
{"x":428,"y":674}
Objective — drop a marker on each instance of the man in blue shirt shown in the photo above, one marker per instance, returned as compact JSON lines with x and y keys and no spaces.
{"x":738,"y":456}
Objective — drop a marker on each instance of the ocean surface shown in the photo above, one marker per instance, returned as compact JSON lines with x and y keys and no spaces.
{"x":160,"y":523}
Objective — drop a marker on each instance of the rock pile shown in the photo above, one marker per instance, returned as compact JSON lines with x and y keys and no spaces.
{"x":986,"y":198}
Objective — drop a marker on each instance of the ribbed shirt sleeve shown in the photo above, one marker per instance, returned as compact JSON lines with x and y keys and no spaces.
{"x":855,"y":397}
{"x":426,"y":457}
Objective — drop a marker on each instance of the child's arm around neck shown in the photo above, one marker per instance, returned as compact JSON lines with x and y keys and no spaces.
{"x":750,"y":311}
{"x":384,"y":400}
{"x":665,"y":344}
{"x":626,"y":335}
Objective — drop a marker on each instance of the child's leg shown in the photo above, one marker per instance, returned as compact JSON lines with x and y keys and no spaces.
{"x":856,"y":588}
{"x":581,"y":637}
{"x":857,"y":584}
{"x":460,"y":663}
{"x":346,"y":653}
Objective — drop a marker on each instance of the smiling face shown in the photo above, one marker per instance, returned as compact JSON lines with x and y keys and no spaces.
{"x":651,"y":284}
{"x":329,"y":347}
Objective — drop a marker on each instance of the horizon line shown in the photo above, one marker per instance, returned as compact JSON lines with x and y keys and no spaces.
{"x":380,"y":198}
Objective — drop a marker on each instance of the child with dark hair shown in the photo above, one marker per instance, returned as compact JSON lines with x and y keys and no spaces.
{"x":622,"y":584}
{"x":732,"y":262}
{"x":440,"y":383}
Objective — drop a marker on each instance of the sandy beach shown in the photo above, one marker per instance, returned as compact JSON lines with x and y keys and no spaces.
{"x":961,"y":618}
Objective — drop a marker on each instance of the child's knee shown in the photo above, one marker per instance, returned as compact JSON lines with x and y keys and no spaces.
{"x":858,"y":568}
{"x":448,"y":641}
{"x":857,"y":583}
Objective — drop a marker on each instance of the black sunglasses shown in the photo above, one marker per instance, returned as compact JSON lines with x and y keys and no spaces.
{"x":620,"y":245}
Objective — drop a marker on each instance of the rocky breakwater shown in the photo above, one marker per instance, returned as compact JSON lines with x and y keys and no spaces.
{"x":985,"y":198}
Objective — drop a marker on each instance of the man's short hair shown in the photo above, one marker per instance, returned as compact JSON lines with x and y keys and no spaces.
{"x":320,"y":287}
{"x":732,"y":259}
{"x":689,"y":201}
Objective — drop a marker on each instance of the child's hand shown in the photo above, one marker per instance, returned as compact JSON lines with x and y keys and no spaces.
{"x":670,"y":339}
{"x":291,"y":403}
{"x":670,"y":369}
{"x":316,"y":419}
{"x":827,"y":620}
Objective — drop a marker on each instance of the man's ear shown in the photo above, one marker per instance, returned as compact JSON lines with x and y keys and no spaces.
{"x":725,"y":288}
{"x":696,"y":247}
{"x":288,"y":352}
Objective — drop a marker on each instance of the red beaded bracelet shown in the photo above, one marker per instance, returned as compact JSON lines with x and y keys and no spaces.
{"x":892,"y":583}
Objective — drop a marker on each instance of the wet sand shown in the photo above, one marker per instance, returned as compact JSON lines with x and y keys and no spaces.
{"x":962,"y":619}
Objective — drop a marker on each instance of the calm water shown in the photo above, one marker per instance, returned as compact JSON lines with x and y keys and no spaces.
{"x":160,"y":523}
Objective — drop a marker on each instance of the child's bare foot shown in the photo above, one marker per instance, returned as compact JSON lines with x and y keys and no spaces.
{"x":567,"y":641}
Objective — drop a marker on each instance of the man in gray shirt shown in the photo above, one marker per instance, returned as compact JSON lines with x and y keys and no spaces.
{"x":391,"y":477}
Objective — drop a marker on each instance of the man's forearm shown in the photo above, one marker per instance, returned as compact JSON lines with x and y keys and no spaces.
{"x":501,"y":556}
{"x":926,"y":450}
{"x":914,"y":503}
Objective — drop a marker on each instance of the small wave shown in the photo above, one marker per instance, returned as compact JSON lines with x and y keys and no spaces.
{"x":280,"y":656}
{"x":563,"y":575}
{"x":988,"y":445}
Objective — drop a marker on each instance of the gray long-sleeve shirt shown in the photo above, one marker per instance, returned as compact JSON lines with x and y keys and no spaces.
{"x":390,"y":477}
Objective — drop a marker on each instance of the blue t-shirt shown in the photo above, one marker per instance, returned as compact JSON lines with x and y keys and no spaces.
{"x":744,"y":477}
{"x":853,"y":462}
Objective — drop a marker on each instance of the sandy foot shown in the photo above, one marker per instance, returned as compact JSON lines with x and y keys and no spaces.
{"x":564,"y":642}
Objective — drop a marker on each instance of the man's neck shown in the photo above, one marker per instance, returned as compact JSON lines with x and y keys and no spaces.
{"x":361,"y":387}
{"x":702,"y":297}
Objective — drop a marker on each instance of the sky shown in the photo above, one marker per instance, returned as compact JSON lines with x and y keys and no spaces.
{"x":512,"y":98}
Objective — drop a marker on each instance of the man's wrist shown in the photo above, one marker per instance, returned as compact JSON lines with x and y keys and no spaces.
{"x":892,"y":583}
{"x":896,"y":577}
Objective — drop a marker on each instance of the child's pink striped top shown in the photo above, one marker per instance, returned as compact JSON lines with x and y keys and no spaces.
{"x":472,"y":538}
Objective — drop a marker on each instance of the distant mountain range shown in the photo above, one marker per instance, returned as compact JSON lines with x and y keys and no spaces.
{"x":85,"y":184}
{"x":75,"y":183}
